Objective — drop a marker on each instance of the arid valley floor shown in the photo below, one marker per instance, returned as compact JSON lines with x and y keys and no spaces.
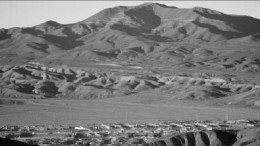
{"x":82,"y":112}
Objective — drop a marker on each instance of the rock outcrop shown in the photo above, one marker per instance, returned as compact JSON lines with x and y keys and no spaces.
{"x":247,"y":137}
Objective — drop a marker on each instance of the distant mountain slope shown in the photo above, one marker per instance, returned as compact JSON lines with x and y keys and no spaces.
{"x":115,"y":32}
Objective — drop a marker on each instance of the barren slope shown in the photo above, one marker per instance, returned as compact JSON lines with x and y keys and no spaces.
{"x":186,"y":54}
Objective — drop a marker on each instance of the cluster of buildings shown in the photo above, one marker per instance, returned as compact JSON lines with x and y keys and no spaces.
{"x":117,"y":134}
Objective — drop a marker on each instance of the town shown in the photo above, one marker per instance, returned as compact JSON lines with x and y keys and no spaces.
{"x":116,"y":134}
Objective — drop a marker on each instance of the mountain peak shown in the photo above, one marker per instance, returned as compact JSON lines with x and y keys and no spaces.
{"x":155,"y":4}
{"x":50,"y":23}
{"x":206,"y":10}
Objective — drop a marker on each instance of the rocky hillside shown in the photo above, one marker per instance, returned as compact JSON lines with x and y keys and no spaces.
{"x":150,"y":33}
{"x":188,"y":54}
{"x":247,"y":137}
{"x":37,"y":81}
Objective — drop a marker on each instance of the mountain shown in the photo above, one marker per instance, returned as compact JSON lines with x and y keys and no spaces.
{"x":203,"y":53}
{"x":116,"y":33}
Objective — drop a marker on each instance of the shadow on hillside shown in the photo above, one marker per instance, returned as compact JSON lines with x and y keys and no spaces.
{"x":245,"y":24}
{"x":109,"y":55}
{"x":227,"y":138}
{"x":165,"y":6}
{"x":64,"y":42}
{"x":8,"y":142}
{"x":4,"y":35}
{"x":39,"y":46}
{"x":214,"y":29}
{"x":26,"y":72}
{"x":146,"y":17}
{"x":24,"y":88}
{"x":48,"y":89}
{"x":32,"y":31}
{"x":145,"y":20}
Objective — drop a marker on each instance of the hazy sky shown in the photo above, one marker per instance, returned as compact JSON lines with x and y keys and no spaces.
{"x":30,"y":13}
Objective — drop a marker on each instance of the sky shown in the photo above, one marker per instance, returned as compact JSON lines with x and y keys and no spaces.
{"x":31,"y":13}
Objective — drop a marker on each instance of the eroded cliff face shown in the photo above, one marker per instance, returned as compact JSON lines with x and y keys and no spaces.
{"x":246,"y":137}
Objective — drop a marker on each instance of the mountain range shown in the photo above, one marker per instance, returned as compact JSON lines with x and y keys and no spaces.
{"x":155,"y":40}
{"x":150,"y":30}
